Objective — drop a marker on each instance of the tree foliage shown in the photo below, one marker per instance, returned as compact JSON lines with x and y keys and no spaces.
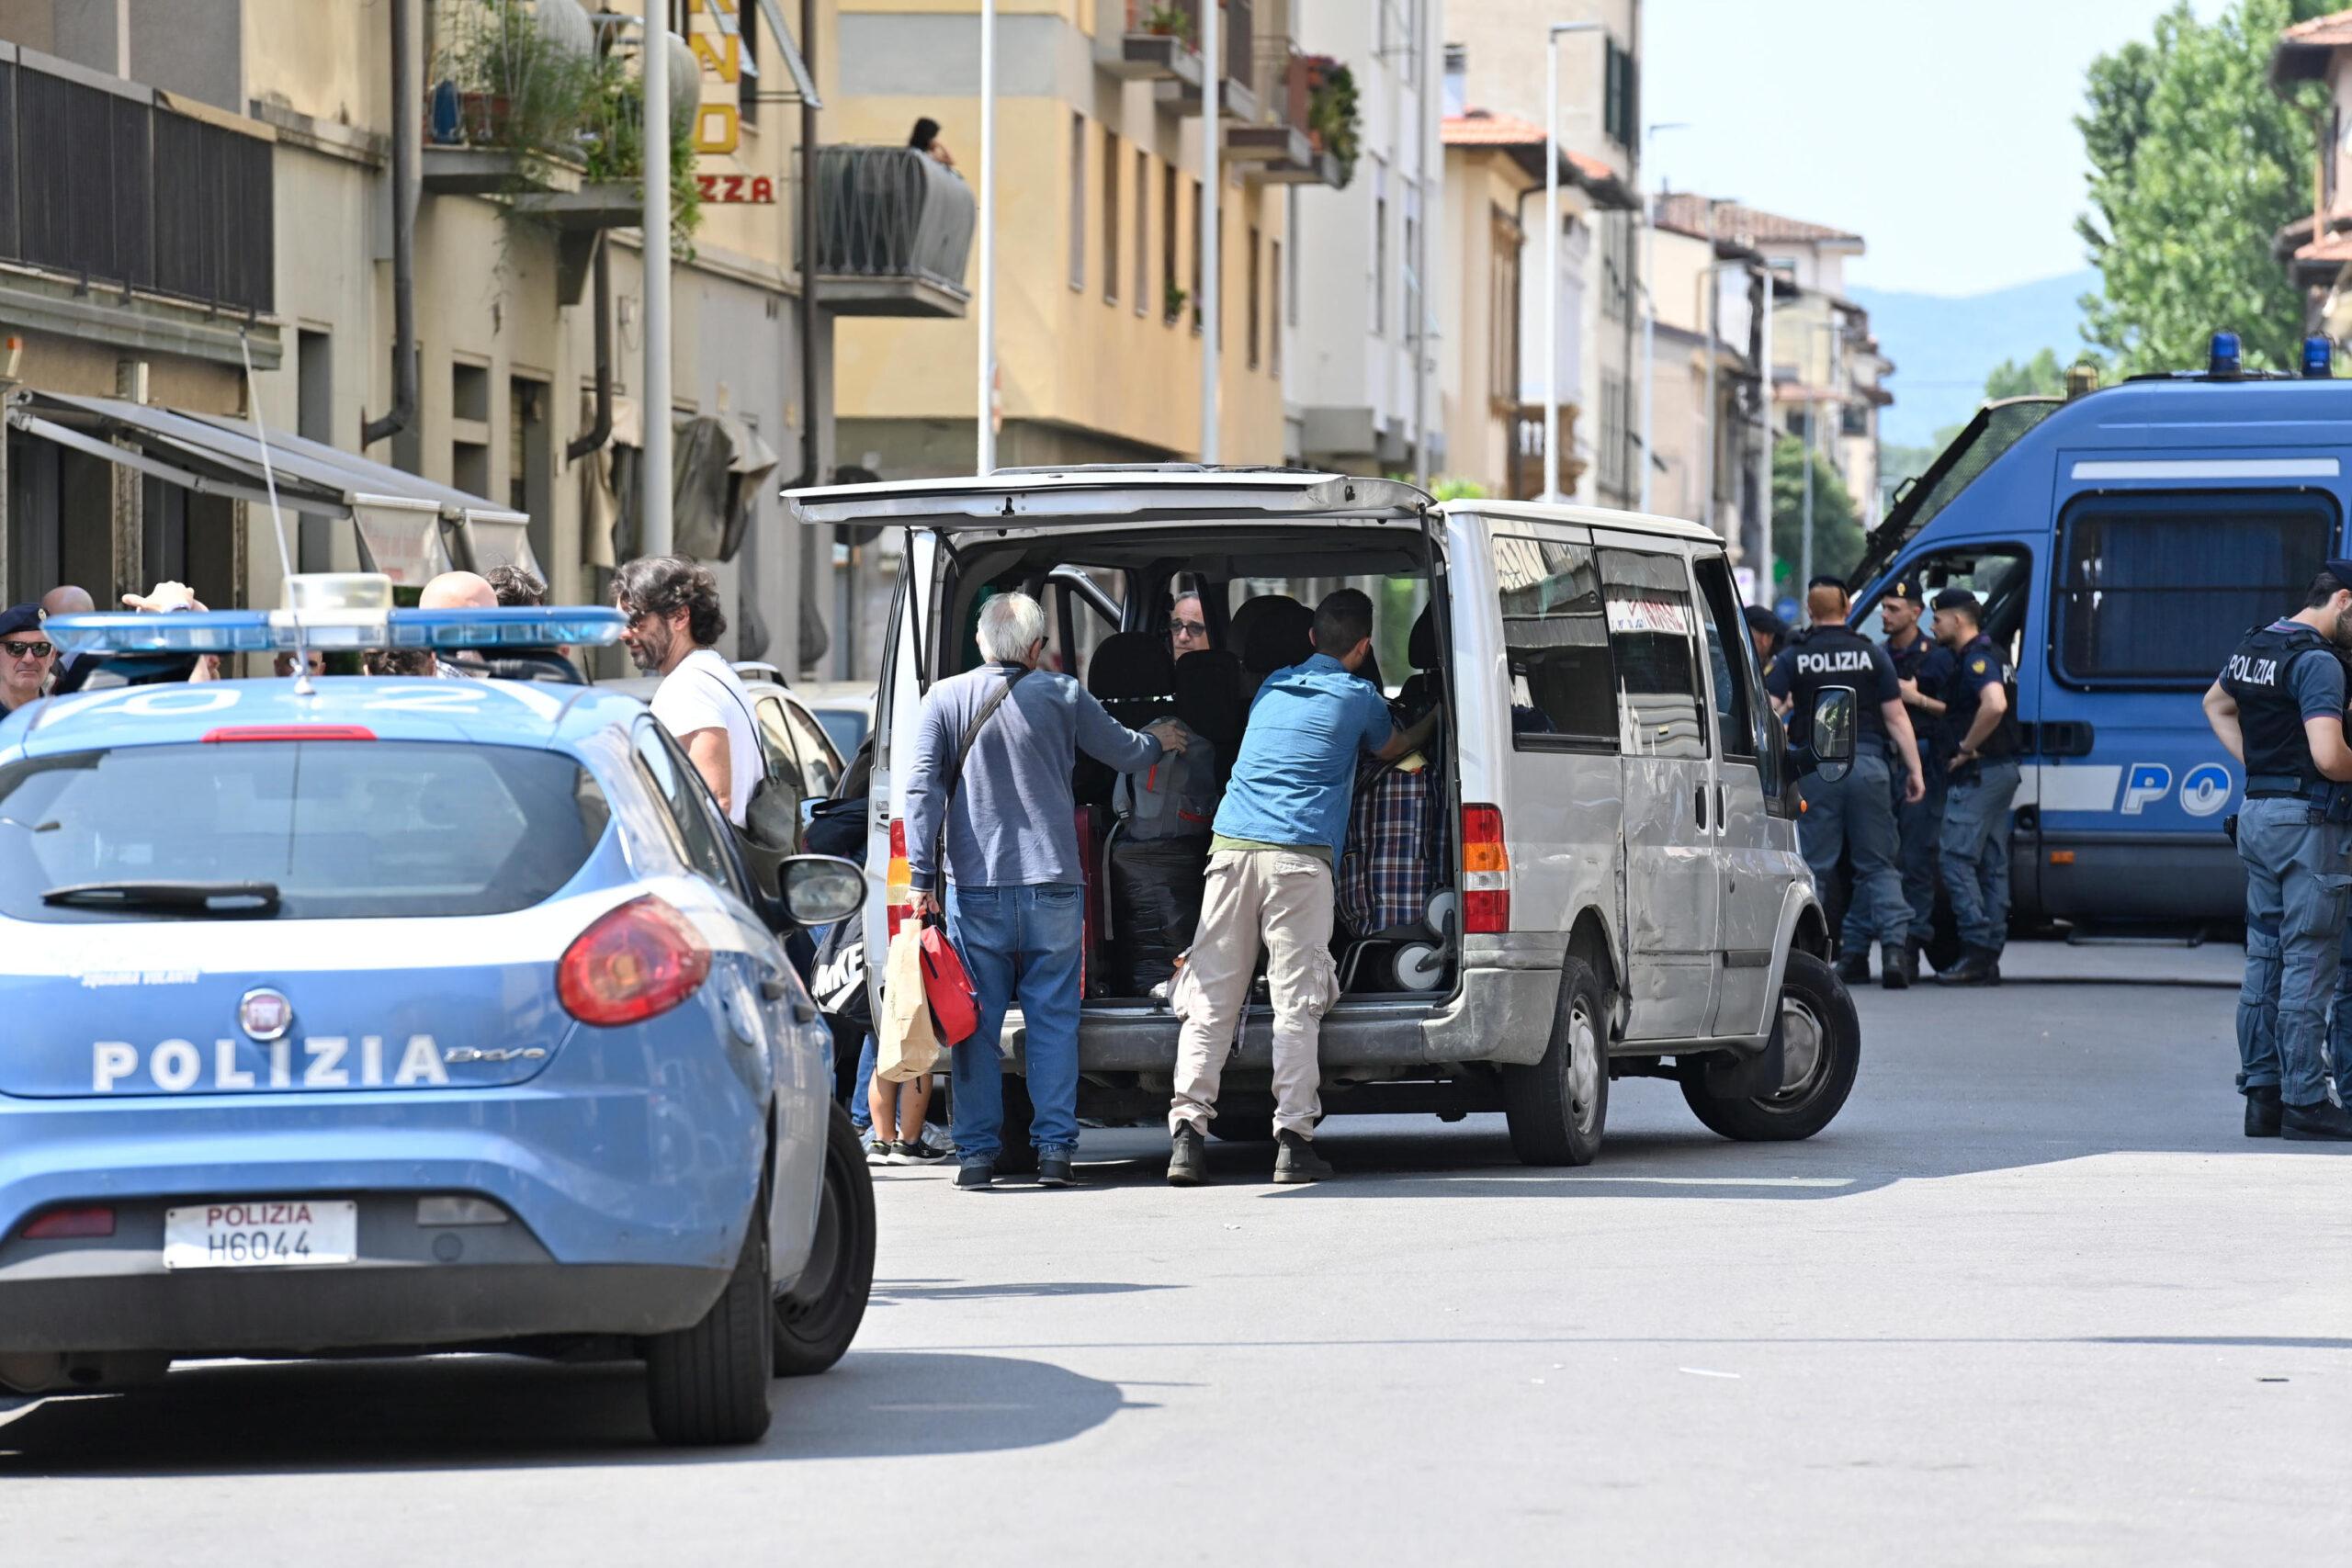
{"x":2196,"y":163}
{"x":2041,"y":375}
{"x":1836,"y":528}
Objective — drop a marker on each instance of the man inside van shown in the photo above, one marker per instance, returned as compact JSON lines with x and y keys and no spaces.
{"x":1854,"y":814}
{"x":1275,"y":839}
{"x":1187,"y":627}
{"x":1981,"y":731}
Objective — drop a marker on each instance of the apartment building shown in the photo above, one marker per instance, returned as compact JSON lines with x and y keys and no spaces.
{"x":1705,"y":396}
{"x":2317,"y":250}
{"x":1502,"y":45}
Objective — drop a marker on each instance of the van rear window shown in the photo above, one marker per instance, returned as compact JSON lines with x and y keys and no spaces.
{"x":2157,"y":589}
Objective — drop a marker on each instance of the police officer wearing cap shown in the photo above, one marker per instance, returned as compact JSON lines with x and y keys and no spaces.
{"x":1921,"y":666}
{"x":1979,"y":725}
{"x":2278,"y":709}
{"x":25,"y":655}
{"x":1855,"y":814}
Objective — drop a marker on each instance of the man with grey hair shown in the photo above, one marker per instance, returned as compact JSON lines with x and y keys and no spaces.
{"x":992,"y":782}
{"x":71,"y":670}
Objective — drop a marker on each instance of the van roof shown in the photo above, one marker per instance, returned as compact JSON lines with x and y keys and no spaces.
{"x":1585,"y":516}
{"x":1090,"y":494}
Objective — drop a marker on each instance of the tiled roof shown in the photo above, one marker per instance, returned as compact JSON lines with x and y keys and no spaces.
{"x":2331,"y":31}
{"x":1524,"y":139}
{"x":2303,"y":50}
{"x":1483,"y":128}
{"x":1693,"y":214}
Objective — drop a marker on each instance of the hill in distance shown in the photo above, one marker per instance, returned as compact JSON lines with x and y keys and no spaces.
{"x":1943,"y":344}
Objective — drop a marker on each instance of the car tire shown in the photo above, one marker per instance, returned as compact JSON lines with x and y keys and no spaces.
{"x":1821,"y":1042}
{"x":1015,"y":1156}
{"x":816,"y":1320}
{"x":1558,"y":1107}
{"x":707,"y":1385}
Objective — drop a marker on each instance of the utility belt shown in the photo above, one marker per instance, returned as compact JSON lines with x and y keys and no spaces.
{"x":2333,"y":798}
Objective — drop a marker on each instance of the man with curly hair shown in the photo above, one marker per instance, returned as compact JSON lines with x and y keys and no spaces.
{"x":674,"y":621}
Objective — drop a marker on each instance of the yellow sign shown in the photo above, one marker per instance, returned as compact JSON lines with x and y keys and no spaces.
{"x":718,"y":125}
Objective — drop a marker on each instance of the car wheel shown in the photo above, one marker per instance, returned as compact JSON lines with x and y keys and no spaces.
{"x":818,"y":1316}
{"x":1015,"y":1156}
{"x":1557,"y":1108}
{"x":1821,"y":1049}
{"x":707,"y":1385}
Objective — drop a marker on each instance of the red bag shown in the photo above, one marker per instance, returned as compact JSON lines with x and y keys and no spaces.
{"x":955,"y":1006}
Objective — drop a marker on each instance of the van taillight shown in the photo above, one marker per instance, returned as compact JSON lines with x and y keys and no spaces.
{"x":1486,"y":871}
{"x":899,"y":885}
{"x":637,"y":962}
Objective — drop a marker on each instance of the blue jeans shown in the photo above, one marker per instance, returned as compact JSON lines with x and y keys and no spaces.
{"x":1857,"y":813}
{"x":1023,"y":944}
{"x":861,"y":1114}
{"x":2298,"y":879}
{"x":1974,"y":852}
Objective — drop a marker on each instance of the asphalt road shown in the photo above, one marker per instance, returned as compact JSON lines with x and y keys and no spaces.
{"x":2032,"y":1299}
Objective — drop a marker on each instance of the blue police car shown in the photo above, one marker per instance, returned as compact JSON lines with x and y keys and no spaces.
{"x":400,"y":1016}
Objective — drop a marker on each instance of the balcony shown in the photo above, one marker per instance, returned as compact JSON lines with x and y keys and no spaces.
{"x":894,"y":231}
{"x":1282,"y":144}
{"x":124,"y":219}
{"x":1158,"y":41}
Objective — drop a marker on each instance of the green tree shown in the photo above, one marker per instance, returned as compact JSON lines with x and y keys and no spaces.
{"x":2196,"y":163}
{"x":2041,"y":376}
{"x":1836,"y":528}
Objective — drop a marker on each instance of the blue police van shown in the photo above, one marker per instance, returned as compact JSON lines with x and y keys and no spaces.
{"x":2121,"y":542}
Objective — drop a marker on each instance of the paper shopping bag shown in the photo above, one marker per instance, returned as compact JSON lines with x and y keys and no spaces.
{"x":906,"y":1047}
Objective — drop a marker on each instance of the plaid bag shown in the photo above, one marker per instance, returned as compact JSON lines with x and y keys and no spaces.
{"x":1384,"y":880}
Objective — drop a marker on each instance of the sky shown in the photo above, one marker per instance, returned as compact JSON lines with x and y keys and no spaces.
{"x":1942,"y":132}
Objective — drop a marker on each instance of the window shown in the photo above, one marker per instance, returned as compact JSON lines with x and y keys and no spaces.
{"x":2157,"y":589}
{"x":360,"y":830}
{"x":1254,"y":300}
{"x":1621,"y":112}
{"x":1275,"y":312}
{"x":747,"y":84}
{"x":816,"y":750}
{"x":1555,"y":645}
{"x":1731,"y":656}
{"x":1199,"y":215}
{"x":1110,"y":216}
{"x":1172,"y":302}
{"x":1143,"y":232}
{"x":781,"y":756}
{"x":1502,"y":311}
{"x":1077,"y":201}
{"x":2001,"y":576}
{"x":1615,"y":433}
{"x":687,"y":801}
{"x":1379,"y":247}
{"x":1648,"y":601}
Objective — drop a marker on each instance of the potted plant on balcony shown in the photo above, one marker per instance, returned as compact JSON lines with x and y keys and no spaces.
{"x":613,"y":148}
{"x":1172,"y":304}
{"x":1166,"y":21}
{"x":1334,"y":123}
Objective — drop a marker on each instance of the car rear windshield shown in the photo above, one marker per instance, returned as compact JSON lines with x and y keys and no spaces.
{"x":342,"y":829}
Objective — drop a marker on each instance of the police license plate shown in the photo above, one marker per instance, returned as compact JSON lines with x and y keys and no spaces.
{"x":261,"y":1233}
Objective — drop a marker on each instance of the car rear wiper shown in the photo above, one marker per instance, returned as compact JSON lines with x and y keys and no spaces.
{"x":188,"y":897}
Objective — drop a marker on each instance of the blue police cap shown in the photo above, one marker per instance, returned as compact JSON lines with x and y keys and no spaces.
{"x":1956,"y":598}
{"x":2339,"y":570}
{"x":19,"y":618}
{"x":1905,"y":589}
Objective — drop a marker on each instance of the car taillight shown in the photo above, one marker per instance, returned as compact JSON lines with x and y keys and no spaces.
{"x":900,"y":883}
{"x":64,"y":1225}
{"x":635,"y":962}
{"x":1486,"y":871}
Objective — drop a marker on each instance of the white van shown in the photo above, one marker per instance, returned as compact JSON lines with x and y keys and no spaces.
{"x":1604,"y":831}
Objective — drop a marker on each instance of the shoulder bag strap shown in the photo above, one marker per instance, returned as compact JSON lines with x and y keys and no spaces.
{"x":956,"y":776}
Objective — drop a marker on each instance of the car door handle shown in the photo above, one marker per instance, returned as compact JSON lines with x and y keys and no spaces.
{"x":1723,"y":811}
{"x":1703,"y":807}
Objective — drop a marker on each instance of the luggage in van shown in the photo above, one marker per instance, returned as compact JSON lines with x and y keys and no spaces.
{"x":1384,"y":876}
{"x":1157,"y":886}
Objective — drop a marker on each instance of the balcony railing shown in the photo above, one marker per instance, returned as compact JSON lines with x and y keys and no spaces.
{"x":101,"y":183}
{"x":1162,"y":42}
{"x":894,"y":231}
{"x":1282,"y":141}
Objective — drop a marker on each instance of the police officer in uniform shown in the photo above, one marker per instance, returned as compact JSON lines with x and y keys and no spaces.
{"x":2279,"y":707}
{"x":1921,"y":666}
{"x":1855,"y":813}
{"x":1980,"y":726}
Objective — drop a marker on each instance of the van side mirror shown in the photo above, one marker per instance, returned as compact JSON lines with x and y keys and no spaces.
{"x":820,"y":889}
{"x":1833,"y":733}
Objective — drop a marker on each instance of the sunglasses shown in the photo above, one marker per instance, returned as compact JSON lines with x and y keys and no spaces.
{"x":26,"y":649}
{"x":1190,"y":628}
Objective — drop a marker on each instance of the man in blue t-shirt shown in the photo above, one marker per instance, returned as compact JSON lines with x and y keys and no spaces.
{"x":1271,"y":855}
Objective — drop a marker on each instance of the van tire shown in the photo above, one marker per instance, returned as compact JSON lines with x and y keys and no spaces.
{"x":1557,"y":1108}
{"x":707,"y":1385}
{"x":816,"y":1320}
{"x":1811,"y":993}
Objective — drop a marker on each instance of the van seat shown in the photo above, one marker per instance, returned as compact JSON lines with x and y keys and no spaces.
{"x":1134,"y":677}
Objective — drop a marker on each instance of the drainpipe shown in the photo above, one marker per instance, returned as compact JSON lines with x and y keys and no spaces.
{"x":404,"y":160}
{"x":600,"y":429}
{"x":809,"y":474}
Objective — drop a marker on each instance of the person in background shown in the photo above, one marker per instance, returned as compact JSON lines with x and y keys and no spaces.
{"x":926,"y":139}
{"x":674,"y":620}
{"x":1768,"y":631}
{"x":1187,"y":627}
{"x":284,"y":663}
{"x":1922,"y":665}
{"x":897,"y":1110}
{"x":1014,"y":886}
{"x":519,"y":590}
{"x":1981,"y":733}
{"x":25,"y":656}
{"x":66,"y":676}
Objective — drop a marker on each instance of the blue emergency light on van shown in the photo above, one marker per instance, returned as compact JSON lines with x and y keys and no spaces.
{"x":2122,"y":543}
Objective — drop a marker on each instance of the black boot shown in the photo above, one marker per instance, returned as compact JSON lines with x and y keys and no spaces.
{"x":1854,"y":967}
{"x":2262,"y":1110}
{"x":1977,"y":966}
{"x":2325,"y":1121}
{"x":1897,"y":968}
{"x":1187,"y":1159}
{"x":1919,"y":964}
{"x":1296,"y":1159}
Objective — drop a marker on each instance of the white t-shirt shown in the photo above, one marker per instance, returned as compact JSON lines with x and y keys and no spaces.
{"x":703,"y":693}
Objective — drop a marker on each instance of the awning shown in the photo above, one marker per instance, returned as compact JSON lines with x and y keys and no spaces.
{"x":402,"y":519}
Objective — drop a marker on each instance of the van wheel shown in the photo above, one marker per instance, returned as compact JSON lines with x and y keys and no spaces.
{"x":707,"y":1385}
{"x":818,"y":1316}
{"x":1015,"y":1156}
{"x":1821,"y":1048}
{"x":1556,"y":1107}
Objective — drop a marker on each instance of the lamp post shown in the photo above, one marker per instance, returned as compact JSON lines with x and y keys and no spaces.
{"x":984,"y":404}
{"x":655,"y":537}
{"x":1552,"y":250}
{"x":1211,"y":236}
{"x":1650,"y":308}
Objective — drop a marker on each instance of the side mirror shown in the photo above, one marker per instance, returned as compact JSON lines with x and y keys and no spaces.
{"x":820,"y":889}
{"x":1833,"y":733}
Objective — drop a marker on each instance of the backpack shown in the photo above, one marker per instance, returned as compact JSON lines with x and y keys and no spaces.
{"x":1174,"y":798}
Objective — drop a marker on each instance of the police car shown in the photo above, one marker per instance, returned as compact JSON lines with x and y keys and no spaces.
{"x":402,"y":1016}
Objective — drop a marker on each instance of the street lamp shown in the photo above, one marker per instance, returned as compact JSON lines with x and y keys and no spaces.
{"x":1552,"y":250}
{"x":1649,"y":307}
{"x":983,"y":406}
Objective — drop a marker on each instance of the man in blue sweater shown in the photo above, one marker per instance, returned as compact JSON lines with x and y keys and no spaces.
{"x":1016,"y":885}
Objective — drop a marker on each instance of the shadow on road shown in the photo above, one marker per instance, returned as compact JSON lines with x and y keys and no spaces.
{"x":460,"y":1411}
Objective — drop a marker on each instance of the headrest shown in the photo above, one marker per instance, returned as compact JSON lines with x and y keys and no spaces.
{"x":1130,"y":665}
{"x":1208,"y":698}
{"x":1282,"y":634}
{"x":1420,"y":643}
{"x":1238,"y":629}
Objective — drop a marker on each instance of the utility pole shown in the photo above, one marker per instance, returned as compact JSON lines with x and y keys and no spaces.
{"x":1763,"y":589}
{"x":1212,"y":200}
{"x":1552,"y":250}
{"x":655,"y":537}
{"x":1426,"y":94}
{"x":1805,"y":548}
{"x":984,"y":404}
{"x":1651,"y":194}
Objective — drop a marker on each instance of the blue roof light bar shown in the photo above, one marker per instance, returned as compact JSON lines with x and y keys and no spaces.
{"x":336,"y":630}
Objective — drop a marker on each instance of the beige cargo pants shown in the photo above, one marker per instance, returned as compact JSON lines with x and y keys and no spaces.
{"x":1284,"y":901}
